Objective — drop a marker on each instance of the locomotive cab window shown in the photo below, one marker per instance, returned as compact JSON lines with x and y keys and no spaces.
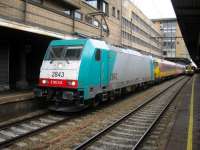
{"x":98,"y":55}
{"x":73,"y":53}
{"x":64,"y":53}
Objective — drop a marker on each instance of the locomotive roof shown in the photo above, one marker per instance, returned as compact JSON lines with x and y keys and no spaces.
{"x":68,"y":42}
{"x":104,"y":45}
{"x":98,"y":44}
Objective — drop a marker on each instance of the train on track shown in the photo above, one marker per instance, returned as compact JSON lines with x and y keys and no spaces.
{"x":189,"y":69}
{"x":81,"y":72}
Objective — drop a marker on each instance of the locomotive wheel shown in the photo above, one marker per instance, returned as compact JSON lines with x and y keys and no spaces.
{"x":96,"y":101}
{"x":112,"y":96}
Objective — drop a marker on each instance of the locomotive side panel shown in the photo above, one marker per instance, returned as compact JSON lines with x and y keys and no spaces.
{"x":130,"y":69}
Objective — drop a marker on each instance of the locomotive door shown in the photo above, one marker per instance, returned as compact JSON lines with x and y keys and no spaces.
{"x":101,"y":68}
{"x":104,"y":68}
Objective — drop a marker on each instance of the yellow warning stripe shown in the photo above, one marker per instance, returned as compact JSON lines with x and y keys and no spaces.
{"x":190,"y":129}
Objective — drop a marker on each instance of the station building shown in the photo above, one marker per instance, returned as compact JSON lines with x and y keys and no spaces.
{"x":173,"y":42}
{"x":139,"y":32}
{"x":27,"y":27}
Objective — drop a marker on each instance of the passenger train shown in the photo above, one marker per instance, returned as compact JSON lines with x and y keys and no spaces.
{"x":189,"y":70}
{"x":81,"y":72}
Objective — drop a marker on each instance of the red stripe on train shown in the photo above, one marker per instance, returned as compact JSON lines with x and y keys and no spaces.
{"x":43,"y":82}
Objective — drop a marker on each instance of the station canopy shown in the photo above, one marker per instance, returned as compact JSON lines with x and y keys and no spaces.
{"x":188,"y":16}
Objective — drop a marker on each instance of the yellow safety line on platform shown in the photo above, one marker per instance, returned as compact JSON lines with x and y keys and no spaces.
{"x":190,"y":129}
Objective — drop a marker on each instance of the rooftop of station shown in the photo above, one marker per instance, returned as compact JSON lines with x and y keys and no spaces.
{"x":188,"y":14}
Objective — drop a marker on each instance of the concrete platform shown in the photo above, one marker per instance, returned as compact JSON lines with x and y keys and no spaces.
{"x":17,"y":103}
{"x":14,"y":96}
{"x":185,"y":133}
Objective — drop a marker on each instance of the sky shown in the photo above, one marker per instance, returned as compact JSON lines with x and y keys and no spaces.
{"x":155,"y":9}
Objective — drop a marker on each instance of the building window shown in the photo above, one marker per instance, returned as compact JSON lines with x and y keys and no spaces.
{"x":113,"y":11}
{"x":92,"y":3}
{"x":105,"y":28}
{"x":95,"y":23}
{"x":118,"y":14}
{"x":132,"y":15}
{"x":68,"y":12}
{"x":78,"y":15}
{"x":88,"y":19}
{"x":105,"y":7}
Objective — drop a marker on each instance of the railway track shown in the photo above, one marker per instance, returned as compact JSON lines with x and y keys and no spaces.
{"x":13,"y":132}
{"x":130,"y":130}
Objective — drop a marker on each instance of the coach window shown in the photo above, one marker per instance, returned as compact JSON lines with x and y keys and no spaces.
{"x":156,"y":64}
{"x":37,"y":1}
{"x":98,"y":55}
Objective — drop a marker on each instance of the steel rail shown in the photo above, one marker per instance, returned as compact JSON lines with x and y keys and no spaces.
{"x":32,"y":132}
{"x":94,"y":138}
{"x":7,"y":125}
{"x":158,"y":117}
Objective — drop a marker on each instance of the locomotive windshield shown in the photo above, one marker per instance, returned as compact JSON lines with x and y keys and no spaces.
{"x":63,"y":53}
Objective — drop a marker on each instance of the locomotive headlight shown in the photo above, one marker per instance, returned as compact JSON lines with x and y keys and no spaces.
{"x":44,"y":81}
{"x":73,"y":83}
